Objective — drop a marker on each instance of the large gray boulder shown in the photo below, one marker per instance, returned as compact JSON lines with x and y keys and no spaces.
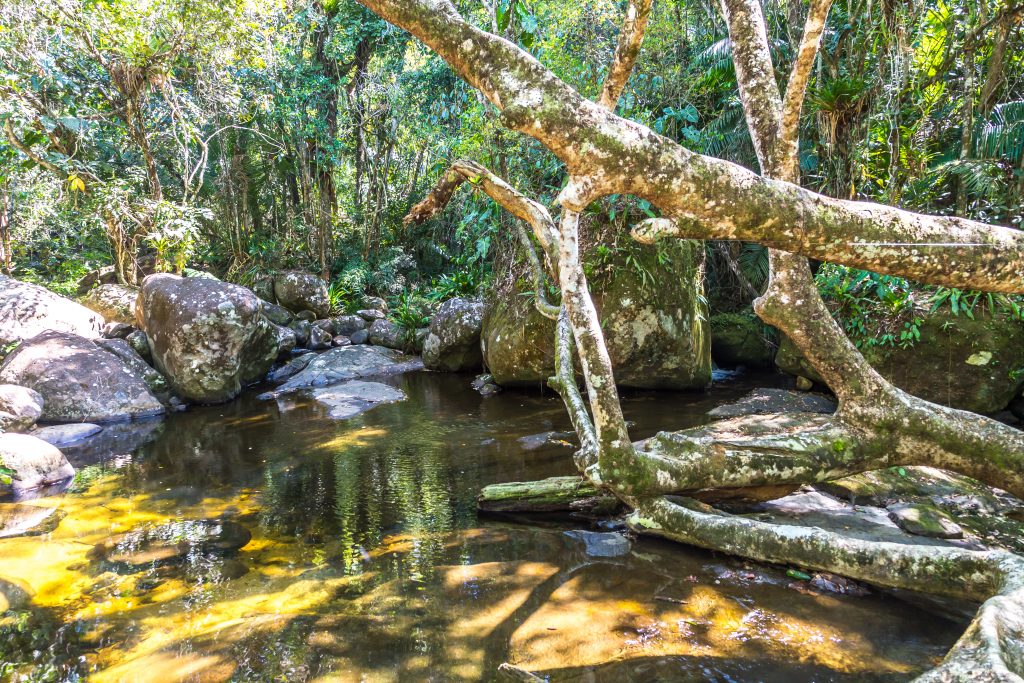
{"x":298,"y":291}
{"x":27,"y":309}
{"x":20,"y":407}
{"x":971,"y":364}
{"x":209,"y":338}
{"x":32,"y":462}
{"x":651,"y":306}
{"x":116,"y":303}
{"x":453,"y":342}
{"x":79,"y":380}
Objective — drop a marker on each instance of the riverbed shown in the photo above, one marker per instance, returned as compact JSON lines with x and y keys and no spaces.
{"x":366,"y":559}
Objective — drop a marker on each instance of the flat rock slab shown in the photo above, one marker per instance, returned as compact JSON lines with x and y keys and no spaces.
{"x":354,"y":397}
{"x":346,"y":363}
{"x":67,"y":435}
{"x":602,"y":544}
{"x":771,"y":401}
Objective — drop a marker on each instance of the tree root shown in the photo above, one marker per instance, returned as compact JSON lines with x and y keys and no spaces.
{"x":992,"y":648}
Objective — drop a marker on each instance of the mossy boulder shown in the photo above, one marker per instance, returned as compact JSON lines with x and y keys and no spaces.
{"x":741,"y":339}
{"x":298,"y":292}
{"x":116,"y":303}
{"x":972,"y":364}
{"x":652,"y":310}
{"x":209,"y":338}
{"x":452,"y":343}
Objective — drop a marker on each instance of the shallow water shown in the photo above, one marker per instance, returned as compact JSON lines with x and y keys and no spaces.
{"x":368,"y":561}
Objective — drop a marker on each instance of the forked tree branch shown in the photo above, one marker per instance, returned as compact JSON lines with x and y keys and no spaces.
{"x":796,"y":89}
{"x":631,"y":38}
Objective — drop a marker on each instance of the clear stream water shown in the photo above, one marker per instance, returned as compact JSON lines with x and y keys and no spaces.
{"x":368,"y":561}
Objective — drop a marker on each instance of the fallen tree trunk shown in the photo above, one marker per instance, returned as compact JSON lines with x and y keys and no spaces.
{"x":556,"y":494}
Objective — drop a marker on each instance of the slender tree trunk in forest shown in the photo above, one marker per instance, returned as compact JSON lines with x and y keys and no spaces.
{"x":6,"y":213}
{"x":877,"y":425}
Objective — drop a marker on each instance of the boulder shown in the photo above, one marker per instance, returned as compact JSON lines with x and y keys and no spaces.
{"x":301,"y":329}
{"x":209,"y":338}
{"x":452,"y":343}
{"x":80,"y":380}
{"x":741,"y":339}
{"x":117,"y":330}
{"x":360,"y":337}
{"x":371,"y":314}
{"x":342,"y":364}
{"x":279,"y":315}
{"x":27,"y":309}
{"x":319,"y":339}
{"x":156,"y":382}
{"x":924,"y":520}
{"x":20,"y":407}
{"x":298,"y":292}
{"x":140,"y":343}
{"x":32,"y":462}
{"x":651,"y":306}
{"x":959,"y":362}
{"x":116,"y":303}
{"x":375,"y":302}
{"x":341,"y":340}
{"x":348,"y":324}
{"x":101,"y":276}
{"x":386,"y":333}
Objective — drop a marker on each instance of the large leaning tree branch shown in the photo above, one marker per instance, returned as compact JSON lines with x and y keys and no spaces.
{"x":722,"y":200}
{"x":638,"y":12}
{"x":606,"y":155}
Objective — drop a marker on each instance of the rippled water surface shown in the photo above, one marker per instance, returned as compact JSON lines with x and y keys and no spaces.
{"x":367,"y":560}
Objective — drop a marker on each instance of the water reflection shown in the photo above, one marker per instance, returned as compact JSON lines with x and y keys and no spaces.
{"x":367,"y":560}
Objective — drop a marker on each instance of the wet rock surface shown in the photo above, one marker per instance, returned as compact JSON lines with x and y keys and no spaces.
{"x":67,"y":434}
{"x":345,"y":363}
{"x":26,"y":310}
{"x":356,"y":396}
{"x":924,"y":520}
{"x":81,"y":380}
{"x":20,"y":519}
{"x":772,"y":401}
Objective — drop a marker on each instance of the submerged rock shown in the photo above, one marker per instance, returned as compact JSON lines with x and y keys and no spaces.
{"x":67,"y":434}
{"x":80,"y":380}
{"x":209,"y":338}
{"x":298,"y":292}
{"x":772,"y":401}
{"x":650,"y":304}
{"x":116,"y":303}
{"x":27,"y":310}
{"x":19,"y":519}
{"x":344,"y":363}
{"x":15,"y":595}
{"x":20,"y":407}
{"x":354,"y":397}
{"x":959,"y":362}
{"x":602,"y":544}
{"x":486,"y":385}
{"x":32,"y":462}
{"x":173,"y":542}
{"x":452,"y":343}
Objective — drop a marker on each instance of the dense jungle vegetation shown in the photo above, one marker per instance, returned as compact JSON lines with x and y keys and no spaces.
{"x":245,"y":138}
